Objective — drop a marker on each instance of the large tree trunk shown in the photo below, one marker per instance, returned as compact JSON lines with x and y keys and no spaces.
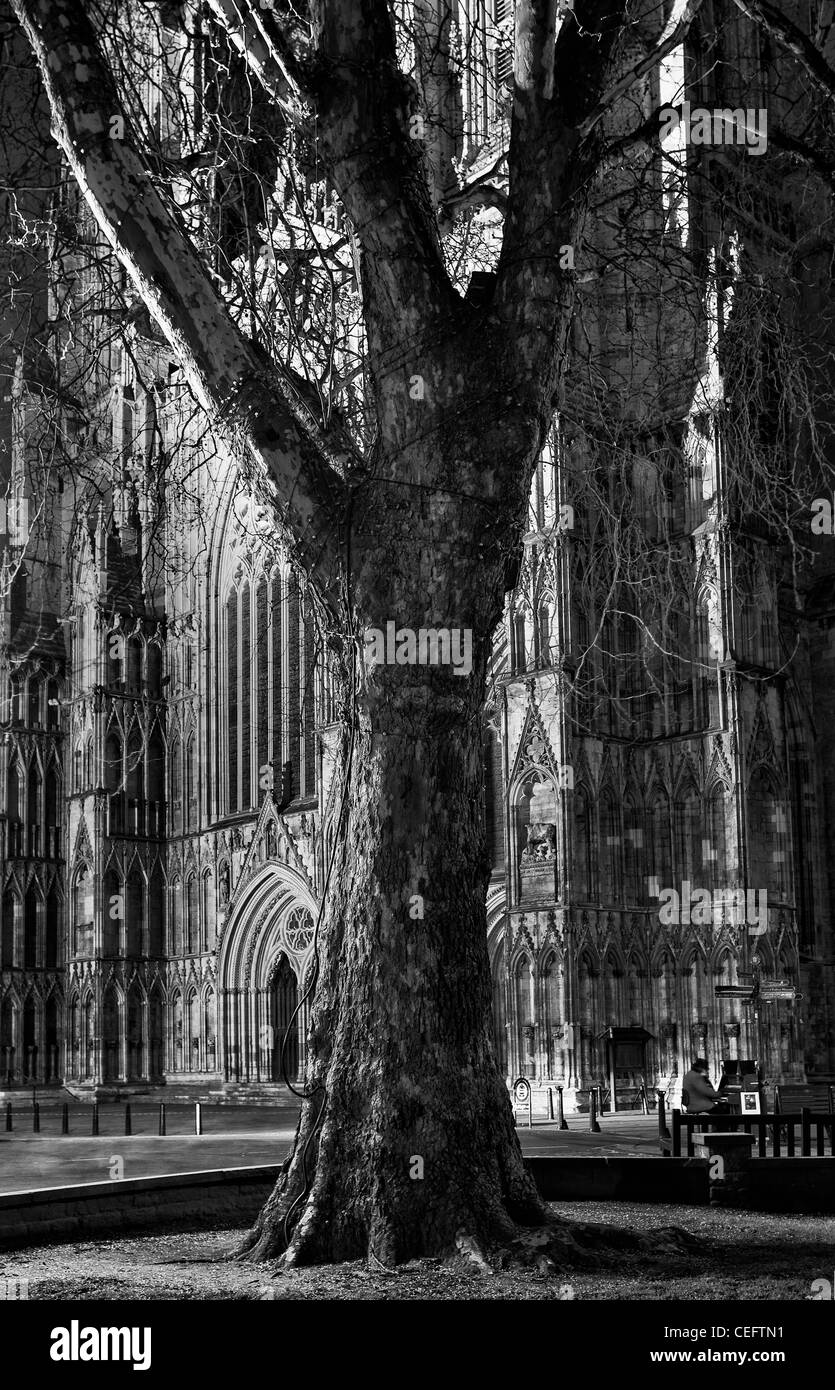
{"x":410,"y":1144}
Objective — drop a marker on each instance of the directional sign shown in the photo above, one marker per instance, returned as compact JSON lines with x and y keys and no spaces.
{"x":734,"y":992}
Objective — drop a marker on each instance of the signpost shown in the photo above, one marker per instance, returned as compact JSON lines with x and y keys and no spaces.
{"x":760,"y":991}
{"x":771,"y":990}
{"x":523,"y":1096}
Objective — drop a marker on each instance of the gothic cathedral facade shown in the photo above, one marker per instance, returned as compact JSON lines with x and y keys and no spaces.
{"x":657,"y":791}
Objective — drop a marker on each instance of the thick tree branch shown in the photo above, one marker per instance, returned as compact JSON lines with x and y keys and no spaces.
{"x":475,"y":195}
{"x":433,"y":22}
{"x":376,"y":161}
{"x":243,"y":393}
{"x":675,"y":31}
{"x":280,"y":72}
{"x":557,"y":89}
{"x":793,"y":39}
{"x":364,"y":105}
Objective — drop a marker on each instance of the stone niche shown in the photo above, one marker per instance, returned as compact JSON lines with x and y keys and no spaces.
{"x":537,"y":812}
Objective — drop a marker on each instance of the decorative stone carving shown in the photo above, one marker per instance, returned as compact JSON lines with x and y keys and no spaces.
{"x":541,"y":847}
{"x":299,"y":930}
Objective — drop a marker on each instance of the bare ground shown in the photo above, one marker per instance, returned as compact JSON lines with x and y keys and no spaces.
{"x":742,"y":1255}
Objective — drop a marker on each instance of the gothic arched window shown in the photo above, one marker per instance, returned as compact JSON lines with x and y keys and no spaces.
{"x":715,"y":847}
{"x":582,"y":850}
{"x":192,"y":915}
{"x":209,"y":910}
{"x":544,"y":626}
{"x":634,"y":851}
{"x":610,"y":841}
{"x":83,"y":899}
{"x":53,"y":909}
{"x":156,"y":913}
{"x":175,"y":762}
{"x":135,"y":915}
{"x":191,"y":794}
{"x":176,"y":916}
{"x":30,"y":929}
{"x":232,"y":704}
{"x":660,"y":861}
{"x":768,"y":857}
{"x":688,"y":826}
{"x":11,"y":908}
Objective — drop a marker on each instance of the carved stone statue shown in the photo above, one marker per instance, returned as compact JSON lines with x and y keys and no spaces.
{"x":541,"y":847}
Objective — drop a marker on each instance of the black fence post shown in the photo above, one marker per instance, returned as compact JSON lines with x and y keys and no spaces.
{"x":663,"y":1131}
{"x":8,"y":1116}
{"x":162,"y":1120}
{"x":805,"y":1133}
{"x":94,"y":1121}
{"x":128,"y":1129}
{"x":65,"y":1118}
{"x":676,"y":1137}
{"x":560,"y":1110}
{"x":36,"y":1117}
{"x":593,"y":1125}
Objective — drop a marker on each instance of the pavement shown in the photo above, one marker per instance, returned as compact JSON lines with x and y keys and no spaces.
{"x":238,"y":1136}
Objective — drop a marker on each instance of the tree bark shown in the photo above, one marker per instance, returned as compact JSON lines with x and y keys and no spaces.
{"x":407,"y":1145}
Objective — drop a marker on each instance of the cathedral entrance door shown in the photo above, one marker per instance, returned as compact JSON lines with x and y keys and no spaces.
{"x":284,"y":997}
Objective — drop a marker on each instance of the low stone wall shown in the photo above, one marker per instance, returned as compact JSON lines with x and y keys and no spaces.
{"x":233,"y":1195}
{"x":654,"y":1180}
{"x":792,"y":1184}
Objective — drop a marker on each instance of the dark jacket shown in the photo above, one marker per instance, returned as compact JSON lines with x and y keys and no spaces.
{"x":697,"y":1094}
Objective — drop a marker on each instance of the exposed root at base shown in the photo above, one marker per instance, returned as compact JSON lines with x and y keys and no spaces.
{"x":558,"y":1246}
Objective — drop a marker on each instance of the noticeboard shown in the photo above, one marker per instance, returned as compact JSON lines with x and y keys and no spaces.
{"x":522,"y":1096}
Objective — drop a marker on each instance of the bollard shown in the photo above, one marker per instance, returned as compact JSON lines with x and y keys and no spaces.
{"x":550,"y":1103}
{"x":593,"y":1125}
{"x":94,"y":1119}
{"x":663,"y":1132}
{"x":162,"y":1120}
{"x":36,"y":1117}
{"x":198,"y":1118}
{"x":65,"y":1118}
{"x":563,"y":1124}
{"x":8,"y":1115}
{"x":128,"y":1129}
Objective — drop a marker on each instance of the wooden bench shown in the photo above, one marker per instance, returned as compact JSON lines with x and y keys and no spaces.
{"x":818,"y":1099}
{"x":677,"y":1140}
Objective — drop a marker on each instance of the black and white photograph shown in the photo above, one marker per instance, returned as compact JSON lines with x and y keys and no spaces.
{"x":417,"y":671}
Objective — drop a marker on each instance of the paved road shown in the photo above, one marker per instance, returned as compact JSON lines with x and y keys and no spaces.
{"x":29,"y":1161}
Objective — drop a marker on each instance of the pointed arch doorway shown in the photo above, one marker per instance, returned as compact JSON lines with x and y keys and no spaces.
{"x":284,"y":999}
{"x":263,"y":961}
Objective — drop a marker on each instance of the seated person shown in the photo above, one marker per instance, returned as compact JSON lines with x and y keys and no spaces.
{"x":697,"y":1094}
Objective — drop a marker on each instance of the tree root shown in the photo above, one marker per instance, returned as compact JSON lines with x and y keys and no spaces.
{"x":558,"y":1246}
